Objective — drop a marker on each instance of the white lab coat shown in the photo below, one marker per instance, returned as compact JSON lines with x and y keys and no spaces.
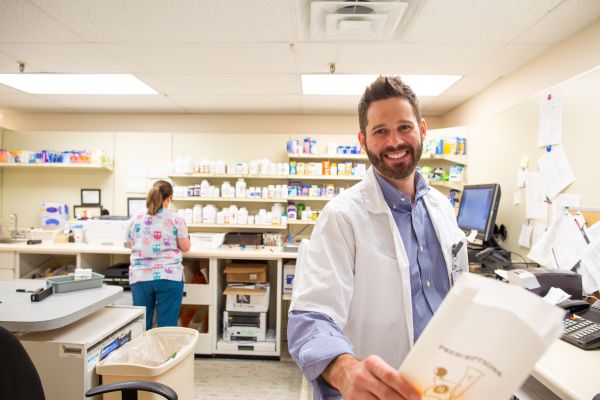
{"x":355,"y":268}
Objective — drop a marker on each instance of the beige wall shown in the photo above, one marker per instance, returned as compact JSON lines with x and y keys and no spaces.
{"x":502,"y":124}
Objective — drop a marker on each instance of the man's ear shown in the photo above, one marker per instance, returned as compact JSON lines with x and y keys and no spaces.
{"x":361,"y":140}
{"x":423,"y":129}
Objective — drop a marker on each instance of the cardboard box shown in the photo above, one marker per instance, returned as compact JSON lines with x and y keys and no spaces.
{"x":246,"y":273}
{"x":253,"y":298}
{"x":289,"y":271}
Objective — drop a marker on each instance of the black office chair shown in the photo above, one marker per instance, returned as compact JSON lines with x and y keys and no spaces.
{"x":19,"y":379}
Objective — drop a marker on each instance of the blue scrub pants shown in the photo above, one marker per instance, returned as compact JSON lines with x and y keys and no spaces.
{"x":163,"y":294}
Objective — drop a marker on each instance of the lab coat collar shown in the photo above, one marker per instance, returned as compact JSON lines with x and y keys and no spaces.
{"x":374,"y":200}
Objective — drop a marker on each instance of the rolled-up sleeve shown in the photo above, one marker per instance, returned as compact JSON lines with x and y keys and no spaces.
{"x":314,"y":341}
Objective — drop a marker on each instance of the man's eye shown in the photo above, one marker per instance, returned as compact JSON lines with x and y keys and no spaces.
{"x":380,"y":132}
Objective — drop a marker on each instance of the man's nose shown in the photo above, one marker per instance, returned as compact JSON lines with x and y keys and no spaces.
{"x":395,"y":139}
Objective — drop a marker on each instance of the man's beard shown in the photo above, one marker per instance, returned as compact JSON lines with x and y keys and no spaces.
{"x":400,"y":170}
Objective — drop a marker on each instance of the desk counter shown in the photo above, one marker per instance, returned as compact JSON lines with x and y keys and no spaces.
{"x":19,"y":314}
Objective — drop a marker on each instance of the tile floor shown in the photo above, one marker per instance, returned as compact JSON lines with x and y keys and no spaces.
{"x":234,"y":379}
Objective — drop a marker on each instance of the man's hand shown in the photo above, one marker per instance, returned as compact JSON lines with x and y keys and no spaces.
{"x":370,"y":379}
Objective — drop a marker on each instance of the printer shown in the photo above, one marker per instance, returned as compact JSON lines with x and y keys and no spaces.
{"x":244,"y":326}
{"x":540,"y":280}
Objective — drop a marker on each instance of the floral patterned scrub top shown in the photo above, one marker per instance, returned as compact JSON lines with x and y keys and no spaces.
{"x":154,"y":251}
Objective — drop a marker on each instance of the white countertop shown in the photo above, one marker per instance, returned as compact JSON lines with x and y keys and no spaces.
{"x":19,"y":314}
{"x":265,"y":252}
{"x":568,"y":371}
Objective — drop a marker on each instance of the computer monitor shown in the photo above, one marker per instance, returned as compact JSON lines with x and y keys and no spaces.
{"x":478,"y":208}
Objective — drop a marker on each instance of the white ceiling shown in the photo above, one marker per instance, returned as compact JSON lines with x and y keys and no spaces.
{"x":246,"y":56}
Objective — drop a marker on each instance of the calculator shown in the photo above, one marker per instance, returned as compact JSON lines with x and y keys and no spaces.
{"x":581,"y":332}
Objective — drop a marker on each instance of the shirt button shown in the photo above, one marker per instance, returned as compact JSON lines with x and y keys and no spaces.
{"x":421,"y":248}
{"x":402,"y":199}
{"x":428,"y":283}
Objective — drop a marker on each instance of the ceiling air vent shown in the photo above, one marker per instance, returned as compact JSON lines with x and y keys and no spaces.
{"x":355,"y":20}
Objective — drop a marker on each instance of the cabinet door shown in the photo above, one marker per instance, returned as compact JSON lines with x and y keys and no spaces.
{"x":7,"y":261}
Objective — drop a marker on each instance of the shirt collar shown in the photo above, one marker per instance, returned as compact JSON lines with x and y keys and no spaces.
{"x":396,"y":199}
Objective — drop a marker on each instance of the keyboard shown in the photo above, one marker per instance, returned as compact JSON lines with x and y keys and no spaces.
{"x":581,"y":332}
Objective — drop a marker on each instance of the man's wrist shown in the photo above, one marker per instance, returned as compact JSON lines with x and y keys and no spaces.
{"x":336,"y":373}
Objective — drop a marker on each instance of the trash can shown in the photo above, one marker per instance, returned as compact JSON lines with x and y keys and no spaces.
{"x":164,"y":355}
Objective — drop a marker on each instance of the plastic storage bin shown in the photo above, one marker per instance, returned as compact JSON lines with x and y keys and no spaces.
{"x":164,"y":355}
{"x":67,"y":283}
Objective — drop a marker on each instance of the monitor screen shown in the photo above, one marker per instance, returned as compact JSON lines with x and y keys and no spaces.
{"x":478,"y":207}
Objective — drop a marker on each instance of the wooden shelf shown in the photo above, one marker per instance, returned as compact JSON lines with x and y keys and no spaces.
{"x":454,"y":158}
{"x":57,"y":166}
{"x":449,"y":185}
{"x":325,"y":178}
{"x":349,"y":157}
{"x":308,"y":198}
{"x":226,"y":176}
{"x":300,"y":222}
{"x":239,"y":226}
{"x":227,"y":200}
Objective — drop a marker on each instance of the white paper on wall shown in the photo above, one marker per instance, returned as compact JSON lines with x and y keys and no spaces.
{"x":555,"y":171}
{"x":563,"y":200}
{"x":516,"y":197}
{"x":569,"y":244}
{"x":536,"y":208}
{"x":539,"y":229}
{"x":590,"y":267}
{"x":525,"y":235}
{"x":550,"y":121}
{"x":593,"y":233}
{"x":454,"y":357}
{"x":521,"y":174}
{"x":541,"y":251}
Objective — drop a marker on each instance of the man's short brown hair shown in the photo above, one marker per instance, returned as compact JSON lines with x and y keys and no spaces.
{"x":385,"y":87}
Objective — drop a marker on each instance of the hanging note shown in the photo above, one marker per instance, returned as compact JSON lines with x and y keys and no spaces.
{"x":550,"y":121}
{"x":525,"y":235}
{"x":555,"y":171}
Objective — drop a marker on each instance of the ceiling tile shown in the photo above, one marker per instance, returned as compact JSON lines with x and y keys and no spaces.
{"x":391,"y":58}
{"x":202,"y":58}
{"x":569,"y":17}
{"x":247,"y":103}
{"x":470,"y":85}
{"x":24,"y":102}
{"x":114,"y":103}
{"x":63,"y":58}
{"x":176,"y":21}
{"x":223,"y":83}
{"x":475,"y":21}
{"x":316,"y":104}
{"x":509,"y":58}
{"x":23,"y":22}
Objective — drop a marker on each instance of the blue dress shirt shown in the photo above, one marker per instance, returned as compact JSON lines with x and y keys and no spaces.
{"x":428,"y":281}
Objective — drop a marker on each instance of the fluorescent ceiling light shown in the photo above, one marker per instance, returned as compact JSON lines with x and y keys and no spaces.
{"x":347,"y":84}
{"x":76,"y":83}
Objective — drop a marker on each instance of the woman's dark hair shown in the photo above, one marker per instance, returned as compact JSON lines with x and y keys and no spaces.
{"x":160,"y":191}
{"x":386,"y":87}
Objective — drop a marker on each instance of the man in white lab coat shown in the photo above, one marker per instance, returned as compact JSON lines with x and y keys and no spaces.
{"x":379,"y":263}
